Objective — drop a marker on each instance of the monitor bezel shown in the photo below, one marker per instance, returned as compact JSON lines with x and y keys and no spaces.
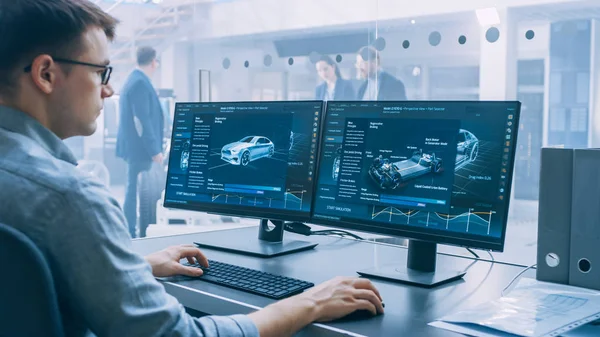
{"x":248,"y":211}
{"x":405,"y":232}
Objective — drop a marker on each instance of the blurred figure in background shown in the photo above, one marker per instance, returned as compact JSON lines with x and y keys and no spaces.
{"x":141,"y":127}
{"x":334,"y":86}
{"x":379,"y":85}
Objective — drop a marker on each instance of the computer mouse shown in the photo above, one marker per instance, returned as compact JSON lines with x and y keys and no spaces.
{"x":358,"y":315}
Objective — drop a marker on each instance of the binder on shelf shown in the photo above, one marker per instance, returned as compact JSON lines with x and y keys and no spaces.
{"x":554,"y":215}
{"x":584,"y":268}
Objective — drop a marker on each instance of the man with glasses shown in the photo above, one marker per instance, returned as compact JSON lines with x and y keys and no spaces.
{"x":141,"y":125}
{"x":103,"y":70}
{"x":54,"y":76}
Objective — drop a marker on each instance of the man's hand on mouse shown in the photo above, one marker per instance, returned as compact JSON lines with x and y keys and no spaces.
{"x":341,"y":296}
{"x":327,"y":301}
{"x":166,"y":263}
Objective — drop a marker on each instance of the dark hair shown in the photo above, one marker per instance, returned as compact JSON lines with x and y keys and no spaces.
{"x":145,"y":55}
{"x":369,"y":53}
{"x":332,"y":63}
{"x":29,"y":28}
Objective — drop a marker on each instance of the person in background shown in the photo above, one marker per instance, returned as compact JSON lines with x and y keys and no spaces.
{"x":141,"y":128}
{"x":334,"y":86}
{"x":54,"y":76}
{"x":379,"y":85}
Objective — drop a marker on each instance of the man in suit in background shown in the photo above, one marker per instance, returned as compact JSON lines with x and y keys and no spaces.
{"x":140,"y":136}
{"x":379,"y":85}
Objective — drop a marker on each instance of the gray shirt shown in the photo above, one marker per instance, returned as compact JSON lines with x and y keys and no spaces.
{"x":103,"y":287}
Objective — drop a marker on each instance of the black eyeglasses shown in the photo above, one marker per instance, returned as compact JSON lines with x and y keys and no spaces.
{"x":105,"y":74}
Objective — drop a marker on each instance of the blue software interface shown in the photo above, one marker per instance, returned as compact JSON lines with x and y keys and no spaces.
{"x":244,"y":158}
{"x":424,"y":167}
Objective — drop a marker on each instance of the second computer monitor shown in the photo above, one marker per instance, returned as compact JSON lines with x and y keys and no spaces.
{"x":433,"y":171}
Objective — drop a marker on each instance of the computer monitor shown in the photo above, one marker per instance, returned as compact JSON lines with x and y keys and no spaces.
{"x":433,"y":172}
{"x":248,"y":159}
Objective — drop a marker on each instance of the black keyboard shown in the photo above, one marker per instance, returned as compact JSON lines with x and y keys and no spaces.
{"x":251,"y":280}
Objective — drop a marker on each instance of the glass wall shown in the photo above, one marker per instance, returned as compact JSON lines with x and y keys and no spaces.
{"x":542,"y":52}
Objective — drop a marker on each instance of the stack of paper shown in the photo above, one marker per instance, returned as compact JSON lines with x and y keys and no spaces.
{"x":532,"y":309}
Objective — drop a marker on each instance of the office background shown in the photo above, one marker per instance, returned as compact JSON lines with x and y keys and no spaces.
{"x":545,"y":53}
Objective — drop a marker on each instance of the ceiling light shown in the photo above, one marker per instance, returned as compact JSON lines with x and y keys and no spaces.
{"x":488,"y":16}
{"x":416,"y":71}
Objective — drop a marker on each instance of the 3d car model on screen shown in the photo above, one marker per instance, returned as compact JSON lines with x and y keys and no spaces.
{"x":336,"y":163}
{"x":185,"y":156}
{"x":247,"y":149}
{"x":467,"y":148}
{"x":390,"y":175}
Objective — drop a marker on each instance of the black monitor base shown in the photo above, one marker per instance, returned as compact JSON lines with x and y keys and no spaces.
{"x":420,"y":270}
{"x":270,"y":241}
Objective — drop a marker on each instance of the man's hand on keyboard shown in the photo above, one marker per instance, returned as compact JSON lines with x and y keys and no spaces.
{"x":166,"y":263}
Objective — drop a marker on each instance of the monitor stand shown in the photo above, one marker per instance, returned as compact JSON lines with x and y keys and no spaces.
{"x":270,"y":241}
{"x":420,"y":270}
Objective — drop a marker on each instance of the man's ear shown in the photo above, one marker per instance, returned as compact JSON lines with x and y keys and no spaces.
{"x":44,"y":73}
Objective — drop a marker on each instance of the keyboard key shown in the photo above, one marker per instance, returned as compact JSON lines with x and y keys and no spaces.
{"x":212,"y":278}
{"x":294,"y":288}
{"x":252,"y":281}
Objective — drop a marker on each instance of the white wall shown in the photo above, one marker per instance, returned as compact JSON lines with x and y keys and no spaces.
{"x":262,"y":16}
{"x":132,"y":17}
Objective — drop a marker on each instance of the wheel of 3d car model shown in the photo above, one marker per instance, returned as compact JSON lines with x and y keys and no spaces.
{"x":336,"y":168}
{"x":271,"y":152}
{"x":437,"y":167}
{"x":474,"y":152}
{"x":245,"y":158}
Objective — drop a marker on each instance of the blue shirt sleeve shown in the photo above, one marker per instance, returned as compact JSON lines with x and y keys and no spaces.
{"x":110,"y":287}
